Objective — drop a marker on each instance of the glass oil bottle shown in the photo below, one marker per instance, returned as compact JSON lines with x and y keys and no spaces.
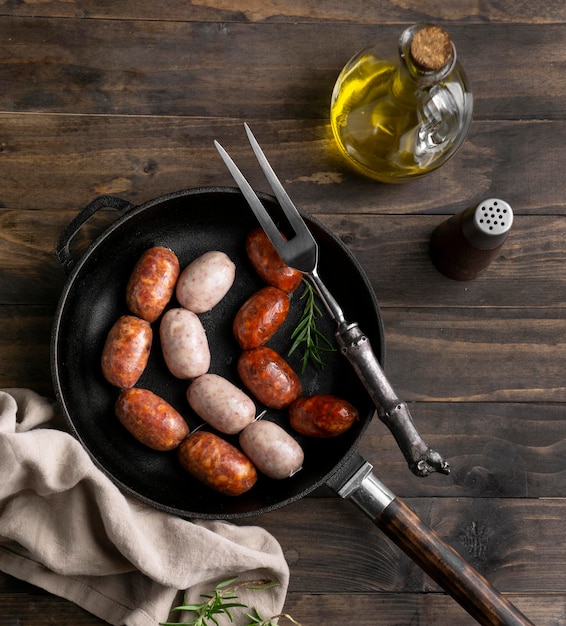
{"x":399,"y":110}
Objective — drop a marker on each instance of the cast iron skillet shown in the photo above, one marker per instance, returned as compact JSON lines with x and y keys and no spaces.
{"x":192,"y":222}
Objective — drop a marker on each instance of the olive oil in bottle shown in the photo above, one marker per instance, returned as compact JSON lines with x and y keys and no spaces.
{"x":400,"y":111}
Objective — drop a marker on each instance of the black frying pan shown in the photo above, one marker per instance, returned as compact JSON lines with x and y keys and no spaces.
{"x":191,"y":223}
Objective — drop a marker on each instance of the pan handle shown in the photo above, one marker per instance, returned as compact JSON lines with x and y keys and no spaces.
{"x":438,"y":559}
{"x":62,"y":247}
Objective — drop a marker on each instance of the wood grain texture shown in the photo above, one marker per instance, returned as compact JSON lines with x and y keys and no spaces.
{"x":369,"y":609}
{"x":393,"y":253}
{"x":367,"y":12}
{"x":142,"y":158}
{"x":414,"y":609}
{"x":110,"y":67}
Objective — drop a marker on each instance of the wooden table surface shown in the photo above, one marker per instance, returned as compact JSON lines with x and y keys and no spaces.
{"x":125,"y":98}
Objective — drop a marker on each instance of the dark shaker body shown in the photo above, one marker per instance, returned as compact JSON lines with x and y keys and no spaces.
{"x":463,"y":246}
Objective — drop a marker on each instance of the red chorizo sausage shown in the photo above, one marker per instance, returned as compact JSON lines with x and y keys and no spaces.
{"x":126,"y":351}
{"x":269,"y":377}
{"x":217,"y":463}
{"x":152,"y":282}
{"x":322,"y":415}
{"x":150,"y":419}
{"x":268,"y":264}
{"x":260,"y":316}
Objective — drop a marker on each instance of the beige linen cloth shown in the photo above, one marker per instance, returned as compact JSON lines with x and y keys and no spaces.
{"x":65,"y":527}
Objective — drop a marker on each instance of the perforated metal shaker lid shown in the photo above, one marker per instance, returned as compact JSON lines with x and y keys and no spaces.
{"x":487,"y":226}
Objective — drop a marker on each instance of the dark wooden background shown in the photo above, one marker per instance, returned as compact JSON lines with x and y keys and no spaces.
{"x":125,"y":97}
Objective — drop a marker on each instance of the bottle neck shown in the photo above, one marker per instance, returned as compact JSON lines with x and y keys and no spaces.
{"x":425,"y":73}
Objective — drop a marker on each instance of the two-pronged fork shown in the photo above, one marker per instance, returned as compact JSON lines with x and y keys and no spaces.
{"x":301,"y":252}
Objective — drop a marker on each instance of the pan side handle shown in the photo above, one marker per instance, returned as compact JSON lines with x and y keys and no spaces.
{"x":425,"y":547}
{"x":62,"y":248}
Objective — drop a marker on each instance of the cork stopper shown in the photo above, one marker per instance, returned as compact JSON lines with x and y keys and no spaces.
{"x":431,"y":48}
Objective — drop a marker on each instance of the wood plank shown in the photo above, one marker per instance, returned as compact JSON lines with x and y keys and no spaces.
{"x":499,"y":450}
{"x":366,"y":609}
{"x":392,"y":252}
{"x":375,"y":12}
{"x":43,"y":610}
{"x":92,"y":67}
{"x":142,"y":158}
{"x":31,"y":272}
{"x":511,"y":355}
{"x":25,"y":348}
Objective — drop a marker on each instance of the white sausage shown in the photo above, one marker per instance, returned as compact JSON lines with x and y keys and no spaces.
{"x":184,"y":344}
{"x":221,"y":404}
{"x":205,"y":281}
{"x":271,"y":449}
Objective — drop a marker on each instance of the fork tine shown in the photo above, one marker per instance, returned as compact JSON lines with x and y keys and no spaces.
{"x":290,"y":210}
{"x":257,"y":207}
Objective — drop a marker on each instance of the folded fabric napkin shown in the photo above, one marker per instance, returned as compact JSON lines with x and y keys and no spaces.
{"x":65,"y":527}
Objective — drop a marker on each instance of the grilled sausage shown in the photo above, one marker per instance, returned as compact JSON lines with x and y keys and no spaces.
{"x":126,"y":351}
{"x":260,"y":316}
{"x":152,"y":283}
{"x":217,"y":463}
{"x":268,"y":264}
{"x":150,"y":419}
{"x":205,"y":281}
{"x":184,"y":343}
{"x":269,"y":377}
{"x":271,"y":449}
{"x":220,"y":403}
{"x":322,"y":415}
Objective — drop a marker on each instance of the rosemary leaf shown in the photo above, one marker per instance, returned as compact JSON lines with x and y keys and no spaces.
{"x":307,"y":334}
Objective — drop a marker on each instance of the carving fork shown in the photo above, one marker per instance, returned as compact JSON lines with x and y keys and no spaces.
{"x":301,"y":253}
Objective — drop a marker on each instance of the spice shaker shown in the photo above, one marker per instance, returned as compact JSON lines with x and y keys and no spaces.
{"x":463,"y":246}
{"x":402,"y":107}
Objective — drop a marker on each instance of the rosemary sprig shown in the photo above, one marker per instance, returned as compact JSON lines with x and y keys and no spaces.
{"x":307,"y":333}
{"x":219,"y":603}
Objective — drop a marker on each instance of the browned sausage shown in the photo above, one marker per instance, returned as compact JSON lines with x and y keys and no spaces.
{"x":150,"y":419}
{"x":268,"y":264}
{"x":126,"y":351}
{"x":269,"y":377}
{"x":217,"y":463}
{"x":152,"y":282}
{"x":322,"y":415}
{"x":260,"y":316}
